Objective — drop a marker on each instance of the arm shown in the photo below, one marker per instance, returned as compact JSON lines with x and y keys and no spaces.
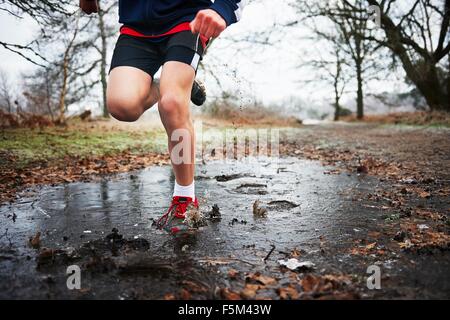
{"x":213,"y":21}
{"x":229,"y":10}
{"x":89,"y":6}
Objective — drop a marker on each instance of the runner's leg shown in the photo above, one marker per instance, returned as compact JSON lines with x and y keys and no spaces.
{"x":175,"y":89}
{"x":130,"y":93}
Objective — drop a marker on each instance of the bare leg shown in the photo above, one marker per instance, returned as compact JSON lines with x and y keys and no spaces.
{"x":175,"y":89}
{"x":130,"y":93}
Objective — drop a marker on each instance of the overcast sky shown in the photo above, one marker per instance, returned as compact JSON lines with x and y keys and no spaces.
{"x":268,"y":72}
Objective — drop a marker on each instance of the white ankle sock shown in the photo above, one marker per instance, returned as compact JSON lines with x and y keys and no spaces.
{"x":184,"y":191}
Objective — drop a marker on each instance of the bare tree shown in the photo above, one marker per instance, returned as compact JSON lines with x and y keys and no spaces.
{"x":67,"y":74}
{"x":418,"y":35}
{"x":6,"y":95}
{"x":339,"y":82}
{"x":106,"y":32}
{"x":350,"y":40}
{"x":40,"y":91}
{"x":43,"y":12}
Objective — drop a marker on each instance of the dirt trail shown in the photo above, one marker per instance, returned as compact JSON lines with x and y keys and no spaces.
{"x":383,"y":203}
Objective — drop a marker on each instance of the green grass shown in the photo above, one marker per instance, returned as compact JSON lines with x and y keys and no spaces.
{"x":30,"y":145}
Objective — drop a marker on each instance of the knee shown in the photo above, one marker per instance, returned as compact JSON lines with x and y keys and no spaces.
{"x":174,"y":107}
{"x":128,"y":110}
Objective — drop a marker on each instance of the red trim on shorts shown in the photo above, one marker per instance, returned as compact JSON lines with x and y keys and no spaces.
{"x":185,"y":26}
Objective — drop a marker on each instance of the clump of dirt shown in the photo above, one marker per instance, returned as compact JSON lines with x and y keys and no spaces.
{"x":237,"y":221}
{"x":115,"y":243}
{"x":282,"y":205}
{"x":252,"y":188}
{"x":35,"y":241}
{"x":258,"y":211}
{"x":214,"y":215}
{"x":195,"y":218}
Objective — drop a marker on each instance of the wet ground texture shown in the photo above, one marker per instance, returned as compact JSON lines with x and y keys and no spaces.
{"x":334,"y":215}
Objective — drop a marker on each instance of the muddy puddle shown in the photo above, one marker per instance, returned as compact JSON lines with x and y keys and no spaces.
{"x":105,"y":228}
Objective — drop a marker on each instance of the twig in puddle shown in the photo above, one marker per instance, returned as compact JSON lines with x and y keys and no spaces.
{"x":215,"y":261}
{"x":270,"y":252}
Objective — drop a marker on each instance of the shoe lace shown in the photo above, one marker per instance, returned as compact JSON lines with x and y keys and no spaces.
{"x":180,"y":209}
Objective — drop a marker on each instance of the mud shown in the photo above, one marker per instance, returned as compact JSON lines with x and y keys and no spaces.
{"x":105,"y":227}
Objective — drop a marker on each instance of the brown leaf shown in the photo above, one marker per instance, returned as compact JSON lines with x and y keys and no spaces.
{"x":233,"y":273}
{"x":295,"y":253}
{"x":309,"y":283}
{"x":169,"y":296}
{"x":288,"y":293}
{"x":424,"y":194}
{"x":184,"y":294}
{"x":374,"y":234}
{"x":194,"y":287}
{"x":249,"y":291}
{"x":45,"y":253}
{"x":227,"y":294}
{"x":265,"y":280}
{"x":35,"y":242}
{"x":371,"y":246}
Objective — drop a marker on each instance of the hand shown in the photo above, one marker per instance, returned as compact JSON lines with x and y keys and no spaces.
{"x":89,"y":6}
{"x":208,"y":23}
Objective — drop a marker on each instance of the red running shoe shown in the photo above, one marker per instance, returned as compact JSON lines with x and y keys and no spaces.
{"x":173,"y":221}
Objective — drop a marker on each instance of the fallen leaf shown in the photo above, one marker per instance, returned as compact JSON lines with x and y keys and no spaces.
{"x":233,"y":273}
{"x":309,"y":283}
{"x":295,"y":253}
{"x":288,"y":293}
{"x":194,"y":287}
{"x":35,"y":242}
{"x":249,"y":291}
{"x":424,"y":194}
{"x":227,"y":294}
{"x":184,"y":294}
{"x":406,"y":244}
{"x":169,"y":296}
{"x":265,"y":280}
{"x":371,"y":246}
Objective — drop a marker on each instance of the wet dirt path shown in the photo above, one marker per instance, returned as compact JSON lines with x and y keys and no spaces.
{"x":105,"y":227}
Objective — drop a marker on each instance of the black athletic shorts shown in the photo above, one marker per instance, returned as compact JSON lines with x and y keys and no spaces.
{"x":149,"y":54}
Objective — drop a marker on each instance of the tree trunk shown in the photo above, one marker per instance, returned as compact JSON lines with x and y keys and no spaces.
{"x":48,"y":98}
{"x":337,"y":109}
{"x":425,"y":77}
{"x":448,"y":80}
{"x":359,"y":93}
{"x":104,"y":48}
{"x":433,"y":90}
{"x":62,"y":95}
{"x":65,"y":70}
